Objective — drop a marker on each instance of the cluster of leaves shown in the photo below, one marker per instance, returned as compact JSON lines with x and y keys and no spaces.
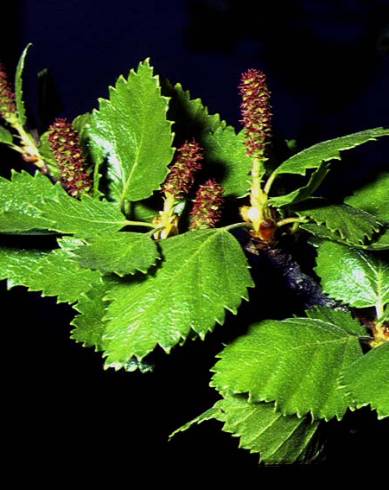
{"x":133,"y":291}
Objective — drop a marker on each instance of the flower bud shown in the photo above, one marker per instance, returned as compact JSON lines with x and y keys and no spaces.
{"x":256,"y":112}
{"x":206,"y":211}
{"x":65,"y":144}
{"x":182,"y":174}
{"x":7,"y":96}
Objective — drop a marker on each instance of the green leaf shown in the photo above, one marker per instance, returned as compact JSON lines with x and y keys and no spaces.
{"x":132,"y":129}
{"x":278,"y":439}
{"x":204,"y":272}
{"x":373,"y":198}
{"x":350,"y":224}
{"x":191,"y":115}
{"x":54,"y":274}
{"x":294,"y":362}
{"x":325,"y":151}
{"x":366,"y":380}
{"x":226,"y":150}
{"x":303,"y":192}
{"x":323,"y":233}
{"x":89,"y":325}
{"x":342,"y":319}
{"x":353,"y":276}
{"x":19,"y":87}
{"x":5,"y":136}
{"x":122,"y":253}
{"x":32,"y":202}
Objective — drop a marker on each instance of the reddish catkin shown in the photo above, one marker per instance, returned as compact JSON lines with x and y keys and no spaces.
{"x":256,"y":111}
{"x":207,"y":206}
{"x":182,"y":174}
{"x":65,"y":144}
{"x":7,"y":96}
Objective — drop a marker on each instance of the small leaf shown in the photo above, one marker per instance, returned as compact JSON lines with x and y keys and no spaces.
{"x":350,"y":224}
{"x":294,"y":362}
{"x":48,"y":156}
{"x":373,"y":198}
{"x":226,"y":149}
{"x":55,"y":273}
{"x":19,"y":87}
{"x":366,"y":380}
{"x":278,"y":439}
{"x":121,"y":253}
{"x":325,"y":151}
{"x":204,"y":272}
{"x":32,"y":202}
{"x":352,"y":276}
{"x":5,"y":136}
{"x":132,"y":129}
{"x":303,"y":192}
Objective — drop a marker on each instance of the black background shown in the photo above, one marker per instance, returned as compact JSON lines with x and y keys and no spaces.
{"x":328,"y":68}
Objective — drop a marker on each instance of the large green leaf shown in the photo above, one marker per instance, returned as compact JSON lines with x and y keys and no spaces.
{"x":277,"y":438}
{"x":353,"y":276}
{"x":122,"y":253}
{"x":132,"y":129}
{"x":5,"y":136}
{"x":294,"y":362}
{"x":373,"y":198}
{"x":33,"y":202}
{"x":19,"y":99}
{"x":204,"y":272}
{"x":367,"y":380}
{"x":314,"y":156}
{"x":226,"y":150}
{"x":55,"y":273}
{"x":303,"y":192}
{"x":350,"y":224}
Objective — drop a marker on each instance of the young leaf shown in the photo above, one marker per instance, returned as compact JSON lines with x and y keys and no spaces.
{"x":204,"y":272}
{"x":32,"y":202}
{"x":373,"y":198}
{"x":350,"y":224}
{"x":19,"y":87}
{"x":261,"y":429}
{"x":55,"y":273}
{"x":132,"y":129}
{"x":5,"y":136}
{"x":48,"y":156}
{"x":122,"y":253}
{"x":294,"y":362}
{"x":366,"y":380}
{"x":303,"y":192}
{"x":353,"y":276}
{"x":325,"y":151}
{"x":226,"y":149}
